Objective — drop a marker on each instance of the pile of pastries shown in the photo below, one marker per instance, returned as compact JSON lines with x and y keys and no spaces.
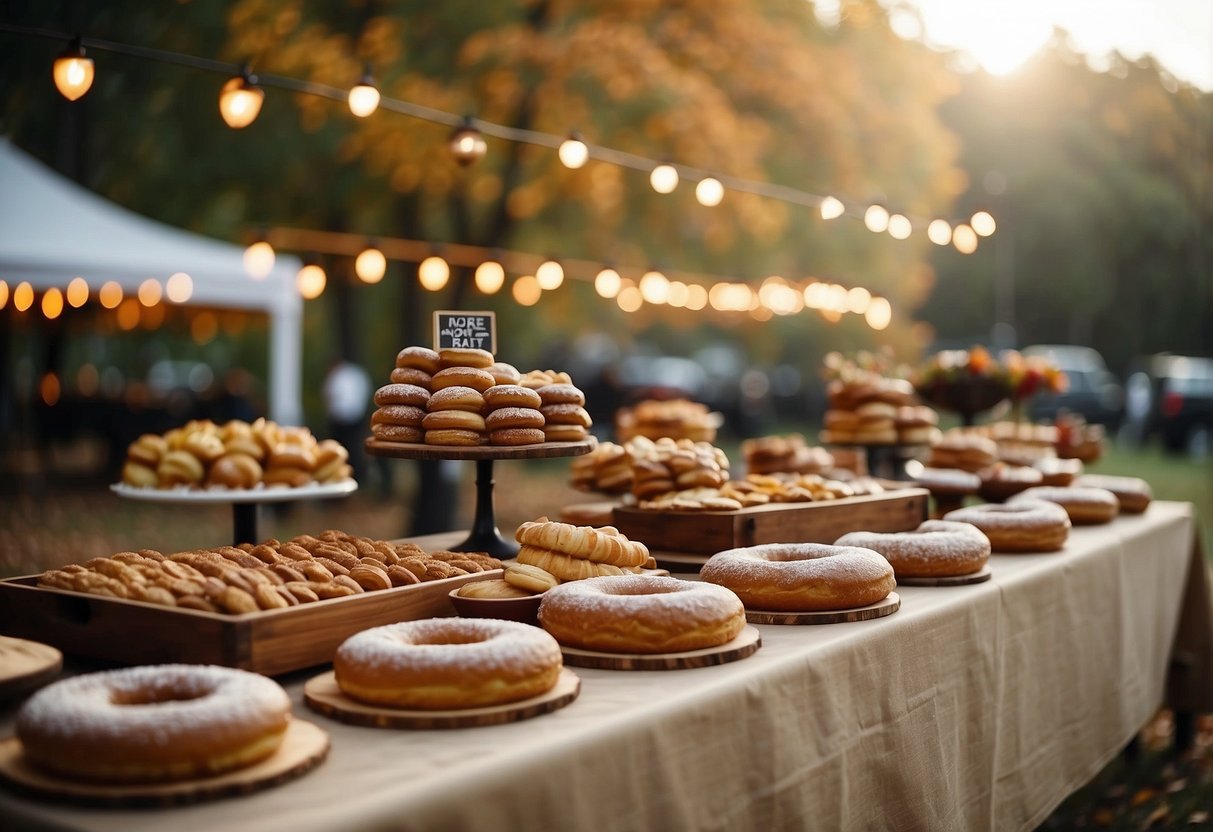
{"x":574,"y":553}
{"x":270,"y":575}
{"x":673,"y":418}
{"x":464,"y":397}
{"x":870,"y":405}
{"x":760,"y":490}
{"x":236,"y":454}
{"x":785,"y":454}
{"x":669,"y":465}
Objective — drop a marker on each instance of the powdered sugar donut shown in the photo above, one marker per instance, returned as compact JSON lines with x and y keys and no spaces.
{"x":641,"y":614}
{"x":447,"y":663}
{"x":154,"y":723}
{"x":936,"y":549}
{"x":1086,"y":506}
{"x":1133,"y":493}
{"x":1022,"y":526}
{"x":802,"y":577}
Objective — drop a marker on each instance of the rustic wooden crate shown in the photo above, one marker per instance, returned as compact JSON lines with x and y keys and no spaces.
{"x":270,"y":642}
{"x":709,"y":532}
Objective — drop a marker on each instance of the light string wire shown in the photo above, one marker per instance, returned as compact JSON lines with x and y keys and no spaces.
{"x":597,"y":152}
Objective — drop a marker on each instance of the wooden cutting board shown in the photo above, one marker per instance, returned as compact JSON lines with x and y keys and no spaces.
{"x":743,"y":646}
{"x":322,"y":694}
{"x":880,"y":609}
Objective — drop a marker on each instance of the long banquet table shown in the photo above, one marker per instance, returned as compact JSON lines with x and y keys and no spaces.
{"x":976,"y":707}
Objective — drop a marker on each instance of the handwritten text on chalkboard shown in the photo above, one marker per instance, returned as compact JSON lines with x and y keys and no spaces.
{"x":464,"y":330}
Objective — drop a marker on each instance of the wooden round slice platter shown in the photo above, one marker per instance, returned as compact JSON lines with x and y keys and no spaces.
{"x":880,"y":609}
{"x":303,"y":748}
{"x":322,"y":695}
{"x":26,"y":664}
{"x":745,"y":644}
{"x":980,"y":576}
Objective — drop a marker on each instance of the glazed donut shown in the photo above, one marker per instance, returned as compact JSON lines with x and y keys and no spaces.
{"x":517,"y":436}
{"x":530,"y":578}
{"x":465,"y":357}
{"x":948,"y":482}
{"x":235,"y":471}
{"x":397,"y":433}
{"x":1086,"y":506}
{"x":1056,"y":471}
{"x":1021,"y":526}
{"x":561,"y":394}
{"x":398,"y":414}
{"x":478,"y":380}
{"x":936,"y":549}
{"x":565,"y":433}
{"x":452,"y":436}
{"x":1133,"y":493}
{"x":504,"y":373}
{"x":456,"y":398}
{"x":641,"y":614}
{"x":1002,"y":482}
{"x":453,"y":420}
{"x":140,"y":476}
{"x":419,"y":358}
{"x":447,"y":663}
{"x":409,"y":394}
{"x":802,"y":577}
{"x":411,"y":375}
{"x":566,"y":414}
{"x":511,"y":395}
{"x":514,"y":417}
{"x":179,"y":468}
{"x":154,"y":723}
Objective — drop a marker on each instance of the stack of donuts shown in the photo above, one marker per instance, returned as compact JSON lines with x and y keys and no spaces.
{"x":463,"y":397}
{"x":573,"y":553}
{"x":785,"y":454}
{"x":675,"y":419}
{"x":202,"y":454}
{"x":271,"y":575}
{"x":606,"y":469}
{"x":964,"y":450}
{"x":870,"y":409}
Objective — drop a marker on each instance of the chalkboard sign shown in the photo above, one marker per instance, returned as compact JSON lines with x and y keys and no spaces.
{"x":465,"y":330}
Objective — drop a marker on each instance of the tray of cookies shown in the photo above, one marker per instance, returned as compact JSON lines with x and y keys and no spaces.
{"x":271,"y":608}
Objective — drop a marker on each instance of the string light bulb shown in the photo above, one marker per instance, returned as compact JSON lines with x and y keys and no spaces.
{"x":23,"y":296}
{"x":549,"y":275}
{"x":490,"y":277}
{"x":240,"y":100}
{"x":150,"y":292}
{"x":370,"y":265}
{"x":310,"y":281}
{"x":900,"y":227}
{"x":697,"y":297}
{"x":876,"y":218}
{"x":179,"y":287}
{"x":259,"y":260}
{"x":573,"y":152}
{"x":964,"y":239}
{"x":629,"y":299}
{"x":3,"y":294}
{"x":52,"y":303}
{"x":526,"y":290}
{"x":607,"y":283}
{"x":939,"y":232}
{"x":664,"y":179}
{"x":110,"y":294}
{"x":983,"y":224}
{"x":467,"y":143}
{"x":832,"y":208}
{"x":77,"y":292}
{"x":879,"y":313}
{"x":654,"y":287}
{"x":73,"y":71}
{"x":364,"y":96}
{"x":433,"y":273}
{"x":709,"y":192}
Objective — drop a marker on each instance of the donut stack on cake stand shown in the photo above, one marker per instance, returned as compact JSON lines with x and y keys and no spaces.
{"x":485,"y":536}
{"x":244,"y":502}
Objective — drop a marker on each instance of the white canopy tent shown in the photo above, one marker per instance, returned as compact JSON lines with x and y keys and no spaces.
{"x":52,"y":230}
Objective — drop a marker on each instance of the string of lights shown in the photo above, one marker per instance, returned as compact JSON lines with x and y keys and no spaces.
{"x":242,"y":95}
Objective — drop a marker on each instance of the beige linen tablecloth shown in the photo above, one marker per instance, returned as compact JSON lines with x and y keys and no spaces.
{"x":976,"y":707}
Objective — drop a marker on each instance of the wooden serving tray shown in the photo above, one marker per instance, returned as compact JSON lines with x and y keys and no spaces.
{"x":269,"y":642}
{"x":708,"y":532}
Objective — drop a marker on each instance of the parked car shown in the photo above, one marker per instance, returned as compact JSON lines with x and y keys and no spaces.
{"x":1171,"y":396}
{"x":1093,"y":392}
